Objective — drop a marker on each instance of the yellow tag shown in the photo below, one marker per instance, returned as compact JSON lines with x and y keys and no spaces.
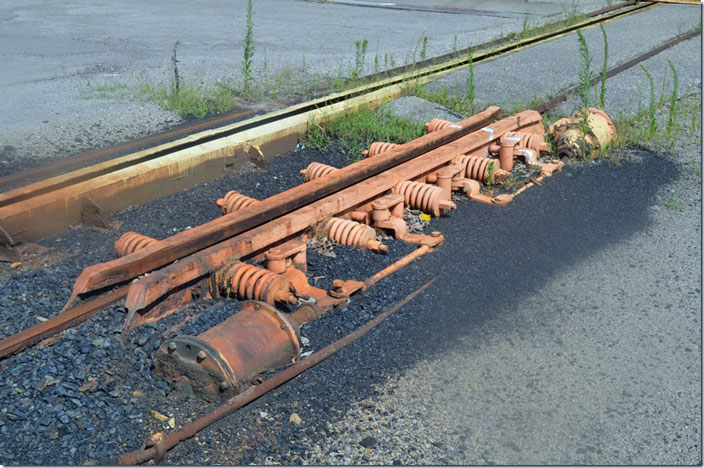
{"x":425,"y":217}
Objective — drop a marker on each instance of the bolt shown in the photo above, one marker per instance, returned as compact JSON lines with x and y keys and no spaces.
{"x":435,"y":234}
{"x":172,"y":347}
{"x":257,"y":307}
{"x":224,"y":386}
{"x":200,"y":356}
{"x":338,"y":283}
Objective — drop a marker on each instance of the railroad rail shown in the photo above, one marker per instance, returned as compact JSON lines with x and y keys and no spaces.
{"x":346,"y":205}
{"x":86,"y":195}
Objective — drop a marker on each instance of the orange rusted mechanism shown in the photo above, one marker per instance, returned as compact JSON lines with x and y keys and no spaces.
{"x":531,"y":141}
{"x":131,"y":242}
{"x":425,"y":197}
{"x":233,"y":201}
{"x":438,"y":124}
{"x":378,"y":147}
{"x":352,"y":233}
{"x":316,"y":170}
{"x":477,"y":168}
{"x":571,"y":141}
{"x":246,"y":281}
{"x":223,"y":360}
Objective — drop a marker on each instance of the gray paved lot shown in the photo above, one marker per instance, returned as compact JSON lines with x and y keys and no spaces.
{"x":541,"y":71}
{"x":56,"y":53}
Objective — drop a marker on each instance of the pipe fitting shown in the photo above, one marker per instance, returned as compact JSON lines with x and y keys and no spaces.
{"x":131,"y":242}
{"x":233,"y":201}
{"x":223,"y":360}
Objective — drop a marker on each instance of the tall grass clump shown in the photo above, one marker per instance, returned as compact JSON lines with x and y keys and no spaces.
{"x":353,"y":132}
{"x":672,"y":116}
{"x":652,"y":124}
{"x":585,"y":72}
{"x":602,"y":91}
{"x":469,"y":88}
{"x":248,"y":56}
{"x":360,"y":54}
{"x":424,"y":49}
{"x":585,"y":79}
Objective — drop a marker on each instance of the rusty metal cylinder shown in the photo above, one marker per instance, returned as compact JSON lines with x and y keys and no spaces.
{"x":316,"y":170}
{"x":233,"y":201}
{"x":246,"y":281}
{"x":378,"y":147}
{"x":572,"y":142}
{"x":223,"y":360}
{"x":352,"y":233}
{"x":438,"y":124}
{"x":425,"y":197}
{"x":131,"y":242}
{"x":506,"y":150}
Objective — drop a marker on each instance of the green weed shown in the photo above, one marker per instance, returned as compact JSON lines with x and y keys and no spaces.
{"x":602,"y":91}
{"x":424,"y":49}
{"x":585,"y":78}
{"x":469,"y":90}
{"x":359,"y":58}
{"x":652,"y":123}
{"x":248,"y":54}
{"x":673,"y":204}
{"x":671,"y":120}
{"x":355,"y":131}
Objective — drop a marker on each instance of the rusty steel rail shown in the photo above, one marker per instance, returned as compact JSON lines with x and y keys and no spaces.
{"x":190,"y":429}
{"x":66,"y":319}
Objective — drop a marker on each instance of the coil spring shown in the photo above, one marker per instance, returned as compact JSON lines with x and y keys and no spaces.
{"x":316,"y":170}
{"x":131,"y":242}
{"x":425,"y":197}
{"x":233,"y":201}
{"x":378,"y":147}
{"x":532,"y":141}
{"x":477,"y":167}
{"x":436,"y":124}
{"x":352,"y":233}
{"x":247,"y":281}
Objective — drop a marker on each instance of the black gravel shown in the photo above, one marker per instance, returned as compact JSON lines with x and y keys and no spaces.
{"x":50,"y":414}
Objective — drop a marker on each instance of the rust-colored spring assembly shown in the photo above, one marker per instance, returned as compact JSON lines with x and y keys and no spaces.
{"x":477,"y":167}
{"x":437,"y":124}
{"x":425,"y":197}
{"x":233,"y":201}
{"x":131,"y":242}
{"x":532,"y":141}
{"x":315,"y":170}
{"x":352,"y":233}
{"x":378,"y":147}
{"x":247,"y":281}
